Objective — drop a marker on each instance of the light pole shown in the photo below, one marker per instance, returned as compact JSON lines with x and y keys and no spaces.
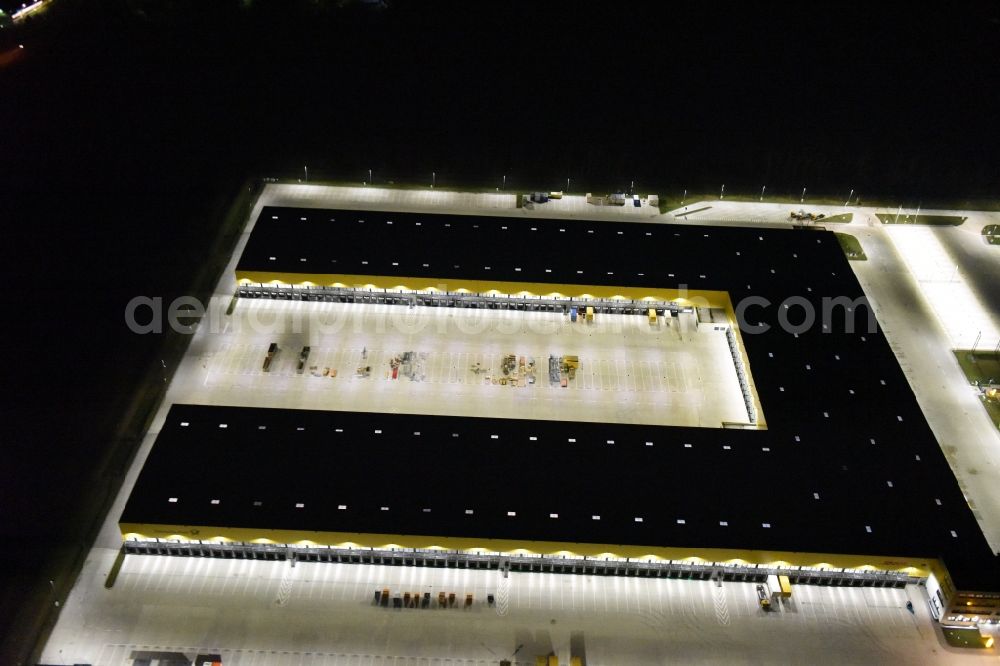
{"x":849,"y":197}
{"x":684,"y":196}
{"x":898,"y":211}
{"x":722,"y":194}
{"x":306,"y":168}
{"x":433,"y":178}
{"x":763,"y":187}
{"x":369,"y":175}
{"x":567,"y":186}
{"x":503,"y":185}
{"x":802,"y":199}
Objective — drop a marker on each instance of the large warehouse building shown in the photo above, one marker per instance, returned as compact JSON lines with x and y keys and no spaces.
{"x":829,"y":473}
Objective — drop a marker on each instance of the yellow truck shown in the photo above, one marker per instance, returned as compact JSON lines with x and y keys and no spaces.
{"x":569,"y":366}
{"x":652,"y":316}
{"x":785,"y":586}
{"x":590,"y":313}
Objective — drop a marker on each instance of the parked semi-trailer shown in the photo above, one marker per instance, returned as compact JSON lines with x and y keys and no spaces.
{"x":272,"y":350}
{"x":763,"y":596}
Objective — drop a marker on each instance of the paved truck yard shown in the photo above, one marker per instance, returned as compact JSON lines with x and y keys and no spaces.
{"x":831,"y":448}
{"x":670,"y":373}
{"x":257,"y":613}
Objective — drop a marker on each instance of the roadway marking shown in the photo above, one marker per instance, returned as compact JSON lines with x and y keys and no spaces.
{"x":503,"y":593}
{"x":721,"y":607}
{"x":284,"y":589}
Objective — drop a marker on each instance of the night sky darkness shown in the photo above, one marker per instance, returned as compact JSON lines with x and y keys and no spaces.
{"x":126,"y":123}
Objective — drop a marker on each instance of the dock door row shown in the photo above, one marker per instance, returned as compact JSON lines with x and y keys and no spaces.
{"x":479,"y":301}
{"x":457,"y":560}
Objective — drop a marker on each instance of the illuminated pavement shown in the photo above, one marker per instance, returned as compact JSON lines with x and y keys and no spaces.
{"x":672,"y":373}
{"x":323,"y":609}
{"x":945,"y":282}
{"x":270,"y":613}
{"x":442,"y":201}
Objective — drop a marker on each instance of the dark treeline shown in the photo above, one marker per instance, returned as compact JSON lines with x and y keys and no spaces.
{"x":888,"y":104}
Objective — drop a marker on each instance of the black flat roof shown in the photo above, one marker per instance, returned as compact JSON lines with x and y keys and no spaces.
{"x":298,"y":240}
{"x":843,"y":423}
